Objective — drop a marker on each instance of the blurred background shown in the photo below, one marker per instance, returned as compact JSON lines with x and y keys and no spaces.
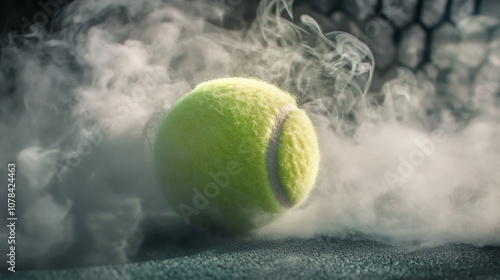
{"x":400,"y":33}
{"x":83,"y":85}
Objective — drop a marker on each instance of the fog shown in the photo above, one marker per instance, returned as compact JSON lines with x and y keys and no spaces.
{"x":416,"y":160}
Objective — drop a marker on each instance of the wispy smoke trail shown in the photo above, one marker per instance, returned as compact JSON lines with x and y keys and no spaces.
{"x":78,"y":106}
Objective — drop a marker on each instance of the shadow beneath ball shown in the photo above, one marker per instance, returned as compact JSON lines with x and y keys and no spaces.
{"x":168,"y":236}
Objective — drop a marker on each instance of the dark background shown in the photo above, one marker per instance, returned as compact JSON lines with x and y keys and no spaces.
{"x":165,"y":255}
{"x":332,"y":15}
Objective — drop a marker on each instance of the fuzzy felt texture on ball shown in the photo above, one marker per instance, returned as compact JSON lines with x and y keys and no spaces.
{"x":234,"y":153}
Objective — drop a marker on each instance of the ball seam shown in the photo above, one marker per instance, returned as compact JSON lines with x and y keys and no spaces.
{"x":272,"y":161}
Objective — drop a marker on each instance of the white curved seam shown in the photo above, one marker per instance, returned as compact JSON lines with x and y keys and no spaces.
{"x":272,"y":156}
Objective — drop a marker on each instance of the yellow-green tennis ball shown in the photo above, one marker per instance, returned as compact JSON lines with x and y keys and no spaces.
{"x":234,"y":153}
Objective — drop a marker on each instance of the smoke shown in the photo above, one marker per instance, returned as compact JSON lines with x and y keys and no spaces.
{"x":413,"y":161}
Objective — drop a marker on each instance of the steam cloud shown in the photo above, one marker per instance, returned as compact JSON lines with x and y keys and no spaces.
{"x":78,"y":108}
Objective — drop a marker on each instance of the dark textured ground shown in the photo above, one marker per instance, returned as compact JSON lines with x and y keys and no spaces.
{"x":213,"y":257}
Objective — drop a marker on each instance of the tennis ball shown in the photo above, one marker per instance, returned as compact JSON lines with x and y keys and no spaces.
{"x":235,"y":153}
